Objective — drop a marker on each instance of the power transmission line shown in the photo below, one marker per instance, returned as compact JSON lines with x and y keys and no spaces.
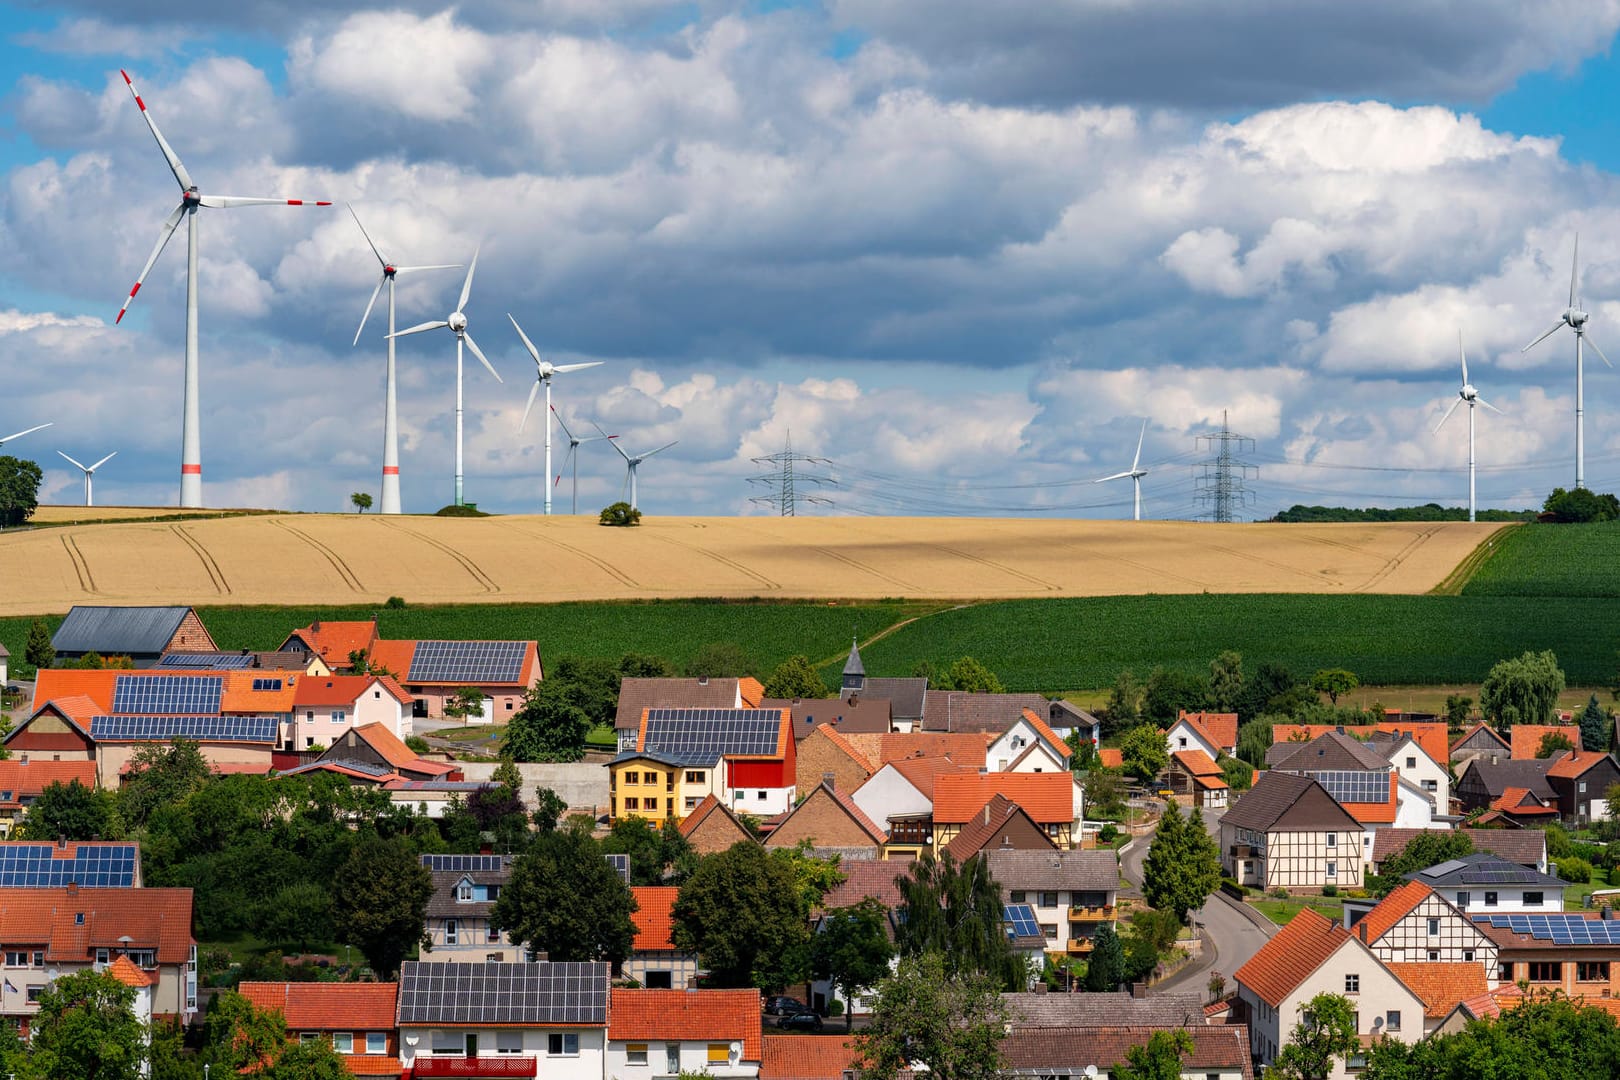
{"x":1222,"y":478}
{"x":782,"y":492}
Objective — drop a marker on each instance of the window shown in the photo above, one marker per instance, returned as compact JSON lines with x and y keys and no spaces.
{"x":1392,"y":1020}
{"x":1490,"y":898}
{"x":33,"y":994}
{"x":1049,"y":899}
{"x":691,"y":802}
{"x":1434,"y":955}
{"x":343,"y":1042}
{"x":1546,"y":971}
{"x":560,"y":1044}
{"x":452,"y":932}
{"x":447,"y":1042}
{"x":509,"y":1042}
{"x":1411,"y":763}
{"x":491,"y":935}
{"x":103,"y":957}
{"x":632,"y":777}
{"x":307,"y":1037}
{"x":658,"y":980}
{"x":1431,"y":786}
{"x":1182,"y":739}
{"x":1468,"y":956}
{"x":1333,"y":839}
{"x":760,"y":795}
{"x":39,"y":959}
{"x":309,"y":741}
{"x":1592,"y":971}
{"x":1352,"y":984}
{"x":493,"y":958}
{"x":1332,"y":869}
{"x":376,"y":1042}
{"x":1532,"y":899}
{"x":337,"y":716}
{"x":1050,"y":930}
{"x":719,"y":1053}
{"x":78,"y":918}
{"x":636,"y":1053}
{"x":696,"y":777}
{"x":1434,"y":927}
{"x":1504,"y":971}
{"x":464,"y":892}
{"x":16,"y":959}
{"x":1582,"y":788}
{"x":1017,"y":897}
{"x":1463,"y":899}
{"x":672,"y":1058}
{"x":309,"y":714}
{"x":632,"y":803}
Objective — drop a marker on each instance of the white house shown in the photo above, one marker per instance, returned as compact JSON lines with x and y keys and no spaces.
{"x":1415,"y":924}
{"x":1028,"y":745}
{"x":903,"y":788}
{"x":667,"y":1033}
{"x":1483,"y":884}
{"x":1288,"y":831}
{"x":1414,"y":765}
{"x":1310,"y":956}
{"x":540,"y":1019}
{"x":324,"y":707}
{"x":1072,"y":892}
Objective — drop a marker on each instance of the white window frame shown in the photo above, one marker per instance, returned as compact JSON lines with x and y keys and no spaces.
{"x":562,"y":1040}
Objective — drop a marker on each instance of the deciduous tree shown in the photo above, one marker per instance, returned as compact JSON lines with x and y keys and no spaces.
{"x":620,"y":514}
{"x":852,"y":950}
{"x":720,"y":660}
{"x":743,"y":913}
{"x":1547,"y":1036}
{"x":361,"y":502}
{"x":464,"y":703}
{"x":380,"y":896}
{"x":1333,"y":682}
{"x":549,"y":808}
{"x":1144,"y":752}
{"x":73,"y":811}
{"x":1168,"y":693}
{"x":1523,"y":690}
{"x":1326,"y":1032}
{"x":86,"y":1027}
{"x":548,"y":727}
{"x":1157,"y":1059}
{"x":297,"y":915}
{"x":19,"y":490}
{"x":951,"y":1025}
{"x":659,"y":854}
{"x":970,"y":676}
{"x":1554,"y":742}
{"x":1427,"y":848}
{"x":1226,"y":681}
{"x":161,"y":774}
{"x":954,"y":909}
{"x":795,"y":678}
{"x":1124,"y":702}
{"x":565,"y":900}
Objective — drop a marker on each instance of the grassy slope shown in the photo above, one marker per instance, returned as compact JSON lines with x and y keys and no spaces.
{"x":1551,"y":560}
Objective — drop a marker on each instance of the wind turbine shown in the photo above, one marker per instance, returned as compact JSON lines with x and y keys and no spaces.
{"x":27,"y":431}
{"x":1469,"y":396}
{"x":632,"y":461}
{"x":457,"y":323}
{"x":544,"y":370}
{"x":390,"y":473}
{"x":1135,"y":472}
{"x":89,"y":471}
{"x":574,"y":442}
{"x":1575,"y":318}
{"x":191,"y":200}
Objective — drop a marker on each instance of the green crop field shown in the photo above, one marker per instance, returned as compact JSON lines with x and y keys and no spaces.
{"x":1551,"y":560}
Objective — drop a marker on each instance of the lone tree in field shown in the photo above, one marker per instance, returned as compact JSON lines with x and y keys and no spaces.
{"x":361,"y":501}
{"x":620,"y":514}
{"x":1333,"y":682}
{"x":1523,"y":690}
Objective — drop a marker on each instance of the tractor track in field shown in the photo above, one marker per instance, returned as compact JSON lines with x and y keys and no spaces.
{"x":349,"y":577}
{"x":601,"y":564}
{"x":81,"y":565}
{"x":210,"y":566}
{"x":476,"y":572}
{"x":723,"y":560}
{"x":1394,"y":562}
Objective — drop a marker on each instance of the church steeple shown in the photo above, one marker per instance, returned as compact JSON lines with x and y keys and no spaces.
{"x":854,"y":671}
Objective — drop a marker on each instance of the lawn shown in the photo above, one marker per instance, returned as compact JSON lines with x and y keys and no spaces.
{"x":1281,"y":911}
{"x":1575,"y":893}
{"x":1551,"y":560}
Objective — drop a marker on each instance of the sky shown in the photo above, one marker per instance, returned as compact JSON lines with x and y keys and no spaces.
{"x":959,"y":253}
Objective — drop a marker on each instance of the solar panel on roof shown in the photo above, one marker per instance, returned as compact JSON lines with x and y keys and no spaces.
{"x":245,"y":729}
{"x":1442,"y":869}
{"x":206,"y":661}
{"x":1355,"y":786}
{"x":620,"y":864}
{"x":178,"y":694}
{"x":93,"y":866}
{"x":1571,"y":929}
{"x":706,"y":735}
{"x":463,"y":864}
{"x":467,"y":661}
{"x":1020,"y":920}
{"x":462,"y":993}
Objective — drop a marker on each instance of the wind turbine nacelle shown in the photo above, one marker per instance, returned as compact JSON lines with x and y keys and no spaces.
{"x":1575,"y":317}
{"x":1468,"y":393}
{"x":457,"y":321}
{"x":546,"y":369}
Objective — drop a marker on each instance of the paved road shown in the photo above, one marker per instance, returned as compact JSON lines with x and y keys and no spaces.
{"x":1236,"y":932}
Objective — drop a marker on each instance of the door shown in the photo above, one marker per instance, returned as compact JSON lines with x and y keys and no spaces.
{"x":472,"y":1044}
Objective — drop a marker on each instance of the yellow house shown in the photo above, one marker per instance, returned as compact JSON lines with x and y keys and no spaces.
{"x":743,"y":757}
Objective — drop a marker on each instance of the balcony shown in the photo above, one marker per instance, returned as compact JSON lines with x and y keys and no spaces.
{"x":1104,"y":913}
{"x":1080,"y":946}
{"x":476,"y":1066}
{"x":902,"y":831}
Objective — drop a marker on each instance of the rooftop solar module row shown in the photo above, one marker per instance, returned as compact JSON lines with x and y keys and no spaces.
{"x":93,"y":866}
{"x":192,"y":695}
{"x":242,"y":729}
{"x":1020,"y":920}
{"x":703,"y":736}
{"x":1569,"y":929}
{"x":472,"y":662}
{"x":465,"y":863}
{"x":206,"y":661}
{"x":542,"y":993}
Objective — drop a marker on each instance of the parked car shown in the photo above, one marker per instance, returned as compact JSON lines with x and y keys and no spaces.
{"x":783,"y":1006}
{"x":800,"y":1021}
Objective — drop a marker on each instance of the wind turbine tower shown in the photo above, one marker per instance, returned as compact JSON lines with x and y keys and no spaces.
{"x":1135,"y":472}
{"x":544,"y":370}
{"x":90,"y":471}
{"x":632,"y":461}
{"x":1575,"y":318}
{"x":1467,"y":395}
{"x":574,"y":442}
{"x":191,"y":200}
{"x":389,"y":503}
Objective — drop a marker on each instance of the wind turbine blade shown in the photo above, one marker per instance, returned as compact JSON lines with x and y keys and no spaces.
{"x":1557,"y":326}
{"x":466,"y":286}
{"x":1594,"y":345}
{"x":473,"y":345}
{"x":533,"y":390}
{"x":527,"y":344}
{"x":660,"y":450}
{"x":1463,"y":356}
{"x":1116,"y":476}
{"x":419,"y":327}
{"x":563,"y":468}
{"x":1574,"y":268}
{"x":1489,"y":406}
{"x":103,"y":461}
{"x":175,"y":166}
{"x":74,"y":462}
{"x":1137,"y":460}
{"x":566,"y":432}
{"x":1455,"y":402}
{"x":611,"y":441}
{"x":367,"y":315}
{"x":437,"y":266}
{"x":169,"y":225}
{"x":565,"y":368}
{"x":225,"y":202}
{"x":20,"y":434}
{"x":373,"y":246}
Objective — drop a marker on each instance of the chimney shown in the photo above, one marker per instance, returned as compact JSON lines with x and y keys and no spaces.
{"x":486,"y":848}
{"x":1361,"y":929}
{"x":829,"y":781}
{"x":1494,"y":759}
{"x":854,"y":700}
{"x":987,"y":813}
{"x":72,"y":890}
{"x":1606,"y":913}
{"x":61,"y":840}
{"x":1138,"y":990}
{"x":703,"y":680}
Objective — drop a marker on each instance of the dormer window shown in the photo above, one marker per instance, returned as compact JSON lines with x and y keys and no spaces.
{"x":464,"y":891}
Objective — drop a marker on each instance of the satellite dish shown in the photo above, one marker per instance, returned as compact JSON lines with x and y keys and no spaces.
{"x":412,"y":1040}
{"x":1091,"y":1070}
{"x":736,"y":1051}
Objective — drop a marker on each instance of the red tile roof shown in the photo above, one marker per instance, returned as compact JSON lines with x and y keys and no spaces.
{"x":653,"y":918}
{"x":158,"y":919}
{"x":1491,"y":1003}
{"x":1441,"y":986}
{"x":1197,"y":763}
{"x":751,"y":691}
{"x":706,"y":807}
{"x":124,"y":970}
{"x":1520,"y":802}
{"x":1048,"y":798}
{"x":962,"y":747}
{"x":373,"y":1065}
{"x":807,"y":1057}
{"x":344,"y":689}
{"x":688,"y":1016}
{"x":395,"y":752}
{"x":1430,"y":736}
{"x":923,"y":773}
{"x":334,"y":641}
{"x":1290,"y":957}
{"x":1044,"y":730}
{"x":1111,"y":757}
{"x":25,"y":779}
{"x":1525,"y":739}
{"x":1400,"y":903}
{"x":863,"y":878}
{"x":1220,"y":728}
{"x":1575,"y":763}
{"x":327,"y":1006}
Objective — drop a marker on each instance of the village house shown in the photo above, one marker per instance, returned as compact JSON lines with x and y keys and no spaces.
{"x":1575,"y":953}
{"x":1028,"y":745}
{"x":654,"y":961}
{"x":142,"y":634}
{"x":1430,"y":735}
{"x":1484,"y":781}
{"x":1416,"y":768}
{"x":357,"y":1018}
{"x":1312,"y":955}
{"x":1288,"y":832}
{"x":328,"y":645}
{"x":906,"y":697}
{"x":432,"y":672}
{"x":1525,"y":740}
{"x":530,"y":1019}
{"x":373,"y":752}
{"x":964,"y":711}
{"x":744,"y":757}
{"x":830,"y":822}
{"x":1482,"y":883}
{"x":637,"y":694}
{"x":1479,"y":741}
{"x":1053,"y":800}
{"x":827,"y":756}
{"x":1218,"y":1052}
{"x":459,"y":930}
{"x":39,"y":864}
{"x":325,"y":707}
{"x":23,"y":780}
{"x":854,"y":715}
{"x":1072,"y":892}
{"x":1527,"y":847}
{"x":1362,"y":781}
{"x":1002,"y":825}
{"x":1580,"y":780}
{"x":1415,"y":923}
{"x":1442,"y":987}
{"x":899,"y":798}
{"x":1193,"y":779}
{"x":1213,"y":733}
{"x":808,"y":1057}
{"x":712,"y":827}
{"x":664,"y":1033}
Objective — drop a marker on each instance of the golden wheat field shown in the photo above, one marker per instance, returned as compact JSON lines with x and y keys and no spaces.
{"x":337,"y":559}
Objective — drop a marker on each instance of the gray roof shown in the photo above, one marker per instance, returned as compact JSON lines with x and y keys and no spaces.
{"x":1331,"y":751}
{"x":443,"y":903}
{"x":1073,"y":715}
{"x":905,"y":696}
{"x":1288,"y":801}
{"x":1089,"y":871}
{"x":853,"y":665}
{"x":857,"y":714}
{"x":1481,"y":869}
{"x":957,"y":710}
{"x":1176,"y":1008}
{"x":543,"y":993}
{"x":1527,"y":847}
{"x":1497,"y":777}
{"x":1222,"y":1048}
{"x":118,"y":631}
{"x":636,"y":694}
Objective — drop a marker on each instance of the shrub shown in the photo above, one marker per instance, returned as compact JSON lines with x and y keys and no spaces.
{"x":620,"y":514}
{"x":1330,"y":890}
{"x":1279,"y":893}
{"x":417,"y":744}
{"x":395,"y":603}
{"x":464,"y":510}
{"x":835,"y":1007}
{"x":1108,"y":834}
{"x":1577,"y":871}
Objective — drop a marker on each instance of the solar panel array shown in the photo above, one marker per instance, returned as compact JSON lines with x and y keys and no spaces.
{"x":621,"y":865}
{"x":244,"y":729}
{"x":93,"y":866}
{"x":1355,"y":786}
{"x":267,"y":684}
{"x":703,"y":736}
{"x":1442,"y":869}
{"x":1020,"y":921}
{"x":191,"y":695}
{"x":205,"y":661}
{"x":1559,"y":929}
{"x":1500,"y":874}
{"x":467,"y":661}
{"x":543,"y":993}
{"x":464,"y":864}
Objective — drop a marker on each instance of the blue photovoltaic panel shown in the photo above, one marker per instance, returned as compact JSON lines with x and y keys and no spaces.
{"x":467,"y":662}
{"x":206,"y":661}
{"x":703,"y":736}
{"x":463,"y":864}
{"x":1559,"y":929}
{"x":1355,"y":787}
{"x":620,"y":864}
{"x":267,"y":684}
{"x":1020,"y":920}
{"x":256,"y":729}
{"x":1499,"y":876}
{"x":191,"y":695}
{"x":93,"y":866}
